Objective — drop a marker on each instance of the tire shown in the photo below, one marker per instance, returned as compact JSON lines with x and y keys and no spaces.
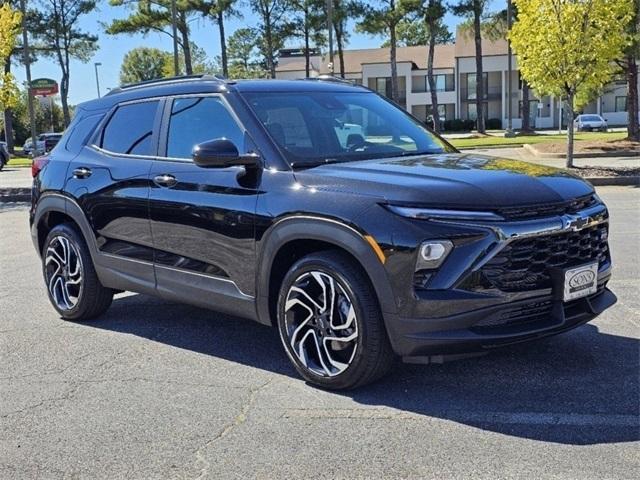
{"x":70,"y":278}
{"x":359,"y":351}
{"x":3,"y":161}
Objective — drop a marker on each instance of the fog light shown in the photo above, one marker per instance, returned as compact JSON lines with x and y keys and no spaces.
{"x":433,"y":253}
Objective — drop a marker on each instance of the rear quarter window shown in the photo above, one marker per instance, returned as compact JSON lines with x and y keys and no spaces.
{"x":80,"y":131}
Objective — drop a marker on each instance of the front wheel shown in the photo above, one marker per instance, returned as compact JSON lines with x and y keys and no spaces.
{"x":330,"y":322}
{"x":72,"y":283}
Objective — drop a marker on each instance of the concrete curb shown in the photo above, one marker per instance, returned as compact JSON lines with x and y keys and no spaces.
{"x":628,"y":181}
{"x":532,"y":149}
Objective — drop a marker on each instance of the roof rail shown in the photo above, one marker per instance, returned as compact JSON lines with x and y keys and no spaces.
{"x":169,"y":80}
{"x":329,"y":78}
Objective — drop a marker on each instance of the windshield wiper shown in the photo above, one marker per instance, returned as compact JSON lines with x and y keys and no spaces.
{"x":423,"y":152}
{"x":324,"y":161}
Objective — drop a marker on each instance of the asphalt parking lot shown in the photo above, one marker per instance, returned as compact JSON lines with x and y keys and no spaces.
{"x":160,"y":390}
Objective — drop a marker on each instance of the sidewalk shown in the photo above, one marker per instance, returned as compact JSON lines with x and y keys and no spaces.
{"x":15,"y":177}
{"x":520,"y":153}
{"x":15,"y":184}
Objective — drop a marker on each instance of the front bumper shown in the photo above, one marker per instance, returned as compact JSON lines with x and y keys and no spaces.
{"x":495,"y":326}
{"x":463,"y":310}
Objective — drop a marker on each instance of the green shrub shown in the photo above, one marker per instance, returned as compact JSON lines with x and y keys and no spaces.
{"x":459,"y":125}
{"x":493,"y":124}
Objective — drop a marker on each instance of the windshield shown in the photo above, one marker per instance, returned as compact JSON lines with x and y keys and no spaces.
{"x":591,"y":118}
{"x":326,"y":127}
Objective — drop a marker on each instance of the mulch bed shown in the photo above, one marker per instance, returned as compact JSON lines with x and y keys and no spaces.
{"x":589,"y":171}
{"x":613,"y":147}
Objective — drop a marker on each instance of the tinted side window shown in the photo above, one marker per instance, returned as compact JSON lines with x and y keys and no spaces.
{"x":79,"y":132}
{"x":196,"y":120}
{"x":130,"y":129}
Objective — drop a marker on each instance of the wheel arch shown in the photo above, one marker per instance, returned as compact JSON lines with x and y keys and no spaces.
{"x":293,"y":237}
{"x":53,"y":209}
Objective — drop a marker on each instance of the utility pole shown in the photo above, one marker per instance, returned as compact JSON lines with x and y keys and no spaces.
{"x":330,"y":28}
{"x":27,"y":67}
{"x":174,"y":30}
{"x":96,"y":65}
{"x":509,"y":131}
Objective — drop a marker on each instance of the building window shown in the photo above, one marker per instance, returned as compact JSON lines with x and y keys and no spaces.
{"x":621,"y":104}
{"x":419,"y":84}
{"x":472,"y":113}
{"x":382,"y":85}
{"x":471,"y":85}
{"x":445,"y":82}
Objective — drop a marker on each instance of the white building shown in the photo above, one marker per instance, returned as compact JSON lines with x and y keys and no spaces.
{"x":454,"y":67}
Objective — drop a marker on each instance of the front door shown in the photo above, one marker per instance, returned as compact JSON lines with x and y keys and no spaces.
{"x":202,"y":219}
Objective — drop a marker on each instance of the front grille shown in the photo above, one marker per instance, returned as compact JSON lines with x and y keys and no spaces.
{"x":524,"y":264}
{"x":547,"y":209}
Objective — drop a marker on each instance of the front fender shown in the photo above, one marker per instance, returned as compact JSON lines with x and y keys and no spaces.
{"x":299,"y":227}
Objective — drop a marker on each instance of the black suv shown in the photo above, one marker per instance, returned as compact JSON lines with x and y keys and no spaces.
{"x":320,"y":208}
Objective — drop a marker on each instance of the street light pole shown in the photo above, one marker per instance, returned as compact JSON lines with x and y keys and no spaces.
{"x":27,"y":67}
{"x":96,"y":65}
{"x":509,"y":131}
{"x":174,"y":32}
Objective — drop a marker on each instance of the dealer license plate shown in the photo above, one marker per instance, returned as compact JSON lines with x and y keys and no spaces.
{"x":580,"y":281}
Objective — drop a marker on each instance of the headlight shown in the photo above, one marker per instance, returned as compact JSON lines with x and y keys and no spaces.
{"x":433,"y":253}
{"x":439,"y":214}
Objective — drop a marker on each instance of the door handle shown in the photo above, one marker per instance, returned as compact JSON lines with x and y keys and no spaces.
{"x":82,"y":172}
{"x":165,"y":180}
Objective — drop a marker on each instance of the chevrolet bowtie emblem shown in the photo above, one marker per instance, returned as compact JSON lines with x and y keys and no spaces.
{"x":575,"y":222}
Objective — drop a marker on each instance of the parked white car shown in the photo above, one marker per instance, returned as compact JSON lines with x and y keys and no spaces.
{"x":590,"y":122}
{"x":46,"y":142}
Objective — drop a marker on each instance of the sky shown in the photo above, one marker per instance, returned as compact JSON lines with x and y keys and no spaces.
{"x":112,"y":48}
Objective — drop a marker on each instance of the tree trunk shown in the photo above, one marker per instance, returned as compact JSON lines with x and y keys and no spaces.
{"x":64,"y":93}
{"x":394,"y":66}
{"x":633,"y":127}
{"x":431,"y":79}
{"x":307,"y":60}
{"x":477,"y":33}
{"x":269,"y":44}
{"x":339,"y":43}
{"x":8,"y":115}
{"x":223,"y":44}
{"x":569,"y":110}
{"x":526,"y":113}
{"x":186,"y":45}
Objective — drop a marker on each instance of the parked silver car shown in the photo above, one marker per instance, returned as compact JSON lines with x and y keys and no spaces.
{"x":590,"y":122}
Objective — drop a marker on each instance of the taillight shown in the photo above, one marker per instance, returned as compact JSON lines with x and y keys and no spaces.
{"x":38,"y":164}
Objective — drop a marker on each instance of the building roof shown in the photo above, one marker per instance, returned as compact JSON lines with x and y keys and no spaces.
{"x":354,"y":59}
{"x":465,"y":45}
{"x":445,"y":56}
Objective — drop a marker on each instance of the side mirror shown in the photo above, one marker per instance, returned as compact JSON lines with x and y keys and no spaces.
{"x":221,"y":153}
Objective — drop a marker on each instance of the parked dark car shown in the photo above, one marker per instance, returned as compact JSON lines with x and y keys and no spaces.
{"x":4,"y":155}
{"x":248,"y":198}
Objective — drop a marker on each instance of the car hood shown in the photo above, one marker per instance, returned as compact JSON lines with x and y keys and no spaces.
{"x":448,"y":180}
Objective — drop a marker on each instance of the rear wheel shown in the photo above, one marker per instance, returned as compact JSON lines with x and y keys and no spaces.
{"x":330,"y":323}
{"x":72,"y":283}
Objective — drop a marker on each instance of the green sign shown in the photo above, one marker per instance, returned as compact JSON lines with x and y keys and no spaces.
{"x":44,"y":87}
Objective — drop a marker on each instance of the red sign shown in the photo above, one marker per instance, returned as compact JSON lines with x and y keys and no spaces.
{"x":44,"y":87}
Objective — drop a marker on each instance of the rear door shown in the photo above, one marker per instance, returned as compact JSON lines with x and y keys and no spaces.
{"x":110,"y":181}
{"x":202,"y":219}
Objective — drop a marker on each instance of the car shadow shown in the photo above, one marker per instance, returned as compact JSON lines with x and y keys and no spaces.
{"x":578,"y":388}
